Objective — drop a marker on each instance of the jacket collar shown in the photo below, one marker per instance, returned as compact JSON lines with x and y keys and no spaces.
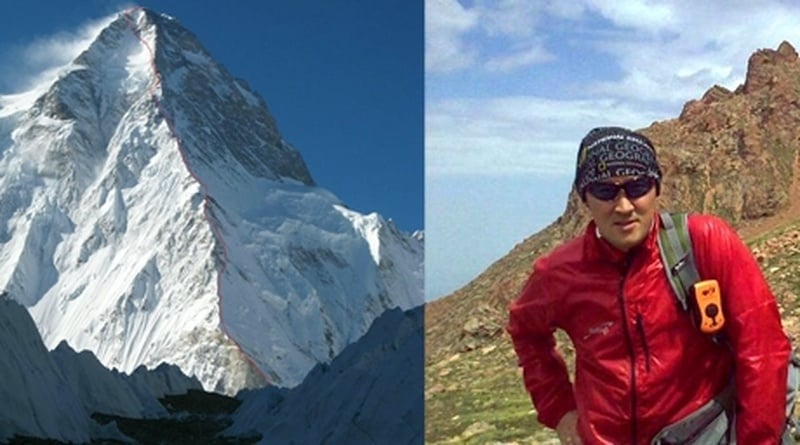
{"x":596,"y":248}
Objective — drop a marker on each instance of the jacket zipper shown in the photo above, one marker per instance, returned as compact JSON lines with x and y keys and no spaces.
{"x":640,"y":329}
{"x":631,"y":353}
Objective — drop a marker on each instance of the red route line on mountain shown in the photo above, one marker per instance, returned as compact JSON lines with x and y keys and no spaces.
{"x":206,"y":205}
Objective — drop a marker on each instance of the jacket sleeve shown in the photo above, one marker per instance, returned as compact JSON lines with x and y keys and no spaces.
{"x":753,"y":330}
{"x":544,"y":372}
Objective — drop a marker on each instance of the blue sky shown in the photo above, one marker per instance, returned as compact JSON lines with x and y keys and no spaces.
{"x":344,"y":80}
{"x":511,"y":86}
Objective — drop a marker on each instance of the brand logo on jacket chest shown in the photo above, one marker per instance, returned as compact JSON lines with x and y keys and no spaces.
{"x":600,"y":329}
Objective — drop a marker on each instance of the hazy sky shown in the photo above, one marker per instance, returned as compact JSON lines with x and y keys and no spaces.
{"x":511,"y":86}
{"x":343,"y":79}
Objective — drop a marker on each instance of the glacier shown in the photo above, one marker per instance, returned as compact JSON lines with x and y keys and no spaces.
{"x":151,"y":212}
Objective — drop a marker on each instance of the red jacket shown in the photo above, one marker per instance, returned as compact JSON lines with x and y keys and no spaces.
{"x":640,"y":364}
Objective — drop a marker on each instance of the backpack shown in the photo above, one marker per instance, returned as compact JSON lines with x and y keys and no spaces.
{"x":675,"y":246}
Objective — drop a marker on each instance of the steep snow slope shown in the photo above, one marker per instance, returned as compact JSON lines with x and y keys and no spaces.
{"x":37,"y":400}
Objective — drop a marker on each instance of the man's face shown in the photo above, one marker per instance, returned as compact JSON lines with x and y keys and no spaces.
{"x":622,"y":220}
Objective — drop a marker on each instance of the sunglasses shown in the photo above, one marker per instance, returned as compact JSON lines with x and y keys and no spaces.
{"x":607,"y":191}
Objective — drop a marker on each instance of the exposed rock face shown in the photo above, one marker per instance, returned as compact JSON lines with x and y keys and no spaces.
{"x":765,"y":66}
{"x":729,"y":153}
{"x":733,"y":153}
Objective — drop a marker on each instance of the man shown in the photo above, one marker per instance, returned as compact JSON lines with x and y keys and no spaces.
{"x":641,"y":366}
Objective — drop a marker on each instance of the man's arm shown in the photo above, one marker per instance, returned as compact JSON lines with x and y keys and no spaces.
{"x":544,"y":370}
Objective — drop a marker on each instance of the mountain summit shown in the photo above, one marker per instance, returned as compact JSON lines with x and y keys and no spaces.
{"x":150,"y":211}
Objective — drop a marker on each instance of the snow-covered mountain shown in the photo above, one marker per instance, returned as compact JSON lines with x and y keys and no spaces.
{"x":151,"y":212}
{"x":53,"y":394}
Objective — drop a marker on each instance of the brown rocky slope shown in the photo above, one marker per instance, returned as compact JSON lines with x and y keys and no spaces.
{"x":730,"y":153}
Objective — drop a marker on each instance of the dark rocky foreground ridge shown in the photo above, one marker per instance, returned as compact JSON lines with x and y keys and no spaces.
{"x":730,"y":153}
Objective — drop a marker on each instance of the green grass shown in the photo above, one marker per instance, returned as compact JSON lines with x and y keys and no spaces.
{"x":480,"y":391}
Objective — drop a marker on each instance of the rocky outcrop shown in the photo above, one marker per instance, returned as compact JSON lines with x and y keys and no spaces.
{"x":765,"y":67}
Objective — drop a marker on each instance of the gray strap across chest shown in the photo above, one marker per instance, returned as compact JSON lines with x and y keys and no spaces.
{"x":677,"y":255}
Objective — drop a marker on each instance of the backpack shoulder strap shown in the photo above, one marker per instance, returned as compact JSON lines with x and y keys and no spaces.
{"x":677,"y":255}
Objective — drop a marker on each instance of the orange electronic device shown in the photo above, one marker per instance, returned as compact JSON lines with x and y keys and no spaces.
{"x":707,"y":304}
